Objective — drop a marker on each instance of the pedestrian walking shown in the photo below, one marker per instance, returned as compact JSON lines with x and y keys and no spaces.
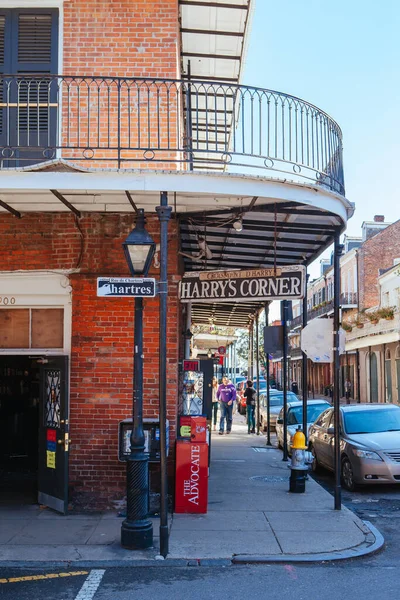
{"x":250,"y":395}
{"x":347,"y":390}
{"x":214,"y":401}
{"x":226,"y":395}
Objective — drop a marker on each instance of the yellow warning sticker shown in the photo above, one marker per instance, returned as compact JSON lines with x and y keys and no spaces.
{"x":51,"y":459}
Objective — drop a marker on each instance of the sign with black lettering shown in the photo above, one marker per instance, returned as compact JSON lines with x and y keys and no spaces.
{"x":247,"y":285}
{"x":122,"y":287}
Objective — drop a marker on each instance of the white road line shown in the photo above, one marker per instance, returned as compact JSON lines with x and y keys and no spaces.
{"x":91,"y":585}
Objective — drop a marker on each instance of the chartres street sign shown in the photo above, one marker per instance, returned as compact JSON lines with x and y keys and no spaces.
{"x":122,"y":287}
{"x":247,"y":285}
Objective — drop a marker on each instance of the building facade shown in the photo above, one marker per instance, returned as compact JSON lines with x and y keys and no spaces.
{"x":107,"y":108}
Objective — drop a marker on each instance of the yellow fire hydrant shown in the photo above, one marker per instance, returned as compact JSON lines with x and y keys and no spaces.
{"x":298,"y":464}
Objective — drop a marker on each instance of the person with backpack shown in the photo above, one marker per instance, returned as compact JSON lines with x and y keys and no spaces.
{"x":250,"y":395}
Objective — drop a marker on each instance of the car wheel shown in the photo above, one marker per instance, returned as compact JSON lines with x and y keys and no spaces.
{"x":348,"y":475}
{"x":315,"y":466}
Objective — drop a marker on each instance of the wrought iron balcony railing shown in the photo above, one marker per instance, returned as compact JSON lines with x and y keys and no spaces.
{"x":123,"y":122}
{"x":348,"y":299}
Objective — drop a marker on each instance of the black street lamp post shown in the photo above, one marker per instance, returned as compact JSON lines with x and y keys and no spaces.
{"x":137,"y":529}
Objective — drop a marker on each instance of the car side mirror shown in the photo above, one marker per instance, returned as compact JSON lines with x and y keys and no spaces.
{"x":280,"y":421}
{"x":331,"y":430}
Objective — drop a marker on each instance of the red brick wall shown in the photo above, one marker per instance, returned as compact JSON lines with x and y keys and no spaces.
{"x":128,"y":39}
{"x":376,"y":253}
{"x":125,"y":38}
{"x":102,"y":337}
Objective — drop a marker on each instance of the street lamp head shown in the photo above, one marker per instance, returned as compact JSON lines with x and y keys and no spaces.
{"x":139,"y":247}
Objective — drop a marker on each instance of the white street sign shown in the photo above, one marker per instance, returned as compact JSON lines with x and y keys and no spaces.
{"x":122,"y":287}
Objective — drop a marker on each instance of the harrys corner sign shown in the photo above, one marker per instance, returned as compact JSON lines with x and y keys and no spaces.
{"x":246,"y":286}
{"x":122,"y":287}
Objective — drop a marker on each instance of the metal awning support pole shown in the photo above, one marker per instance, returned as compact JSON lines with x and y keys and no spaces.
{"x":252,"y":351}
{"x":370,"y":372}
{"x":284,"y":311}
{"x":258,"y":377}
{"x":188,"y":326}
{"x":304,"y":387}
{"x":336,"y":368}
{"x":234,"y":363}
{"x":268,"y":382}
{"x":164,"y":215}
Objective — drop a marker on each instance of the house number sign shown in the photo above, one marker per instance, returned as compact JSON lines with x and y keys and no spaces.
{"x":7,"y":300}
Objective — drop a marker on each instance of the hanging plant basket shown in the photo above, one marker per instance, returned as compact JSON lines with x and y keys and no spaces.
{"x":360,"y":325}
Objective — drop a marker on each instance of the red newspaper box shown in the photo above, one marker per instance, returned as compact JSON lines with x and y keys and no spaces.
{"x":191,"y":482}
{"x":193,"y":427}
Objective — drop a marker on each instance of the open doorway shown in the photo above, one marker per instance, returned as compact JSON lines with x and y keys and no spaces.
{"x":19,"y":429}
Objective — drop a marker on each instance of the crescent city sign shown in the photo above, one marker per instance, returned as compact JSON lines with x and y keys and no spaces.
{"x":247,"y":285}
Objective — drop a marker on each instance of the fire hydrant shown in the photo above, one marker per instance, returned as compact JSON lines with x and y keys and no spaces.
{"x":299,"y":463}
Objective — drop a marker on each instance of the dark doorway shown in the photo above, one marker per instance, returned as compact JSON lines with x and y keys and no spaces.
{"x":19,"y":427}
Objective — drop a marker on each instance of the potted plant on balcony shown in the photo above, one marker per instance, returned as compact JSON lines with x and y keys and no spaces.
{"x":372,"y":316}
{"x":347,"y":326}
{"x":358,"y":322}
{"x":386,"y":312}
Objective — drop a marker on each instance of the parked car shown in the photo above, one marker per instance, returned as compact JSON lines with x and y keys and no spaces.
{"x":295,"y":418}
{"x":369,"y":445}
{"x":276,"y":403}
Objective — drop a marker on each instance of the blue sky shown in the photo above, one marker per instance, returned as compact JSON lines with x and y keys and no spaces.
{"x":344,"y":57}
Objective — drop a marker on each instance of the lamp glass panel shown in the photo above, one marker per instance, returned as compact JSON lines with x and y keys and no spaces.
{"x":138,"y":256}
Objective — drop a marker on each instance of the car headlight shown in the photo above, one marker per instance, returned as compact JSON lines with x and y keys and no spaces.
{"x":366,"y":454}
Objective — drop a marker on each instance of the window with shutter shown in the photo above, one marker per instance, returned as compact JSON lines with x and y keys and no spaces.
{"x":28,"y":56}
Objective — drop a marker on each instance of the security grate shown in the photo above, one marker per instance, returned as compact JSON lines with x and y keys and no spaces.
{"x":52,"y":398}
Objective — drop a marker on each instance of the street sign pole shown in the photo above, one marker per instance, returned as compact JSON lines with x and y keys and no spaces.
{"x":268,"y":381}
{"x":336,"y":368}
{"x":304,"y":386}
{"x":284,"y":311}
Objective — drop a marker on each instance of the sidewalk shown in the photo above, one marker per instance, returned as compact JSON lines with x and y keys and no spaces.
{"x":251,"y":518}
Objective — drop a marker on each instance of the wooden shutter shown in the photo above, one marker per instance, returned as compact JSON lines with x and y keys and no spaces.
{"x":29,"y":46}
{"x":36,"y":35}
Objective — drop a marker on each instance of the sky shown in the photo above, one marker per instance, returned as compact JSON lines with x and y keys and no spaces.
{"x":344,"y":57}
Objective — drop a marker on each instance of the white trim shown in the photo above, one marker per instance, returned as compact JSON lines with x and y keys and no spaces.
{"x":39,"y":289}
{"x":32,"y":3}
{"x":230,"y":187}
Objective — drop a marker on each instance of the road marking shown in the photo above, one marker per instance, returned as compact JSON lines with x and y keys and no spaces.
{"x":91,"y":584}
{"x":41,"y":577}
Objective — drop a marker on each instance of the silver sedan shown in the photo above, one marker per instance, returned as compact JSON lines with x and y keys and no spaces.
{"x":369,"y":444}
{"x":295,"y":418}
{"x":275,"y":403}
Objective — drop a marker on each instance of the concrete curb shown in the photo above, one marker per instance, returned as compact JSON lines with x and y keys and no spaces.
{"x":374,"y":541}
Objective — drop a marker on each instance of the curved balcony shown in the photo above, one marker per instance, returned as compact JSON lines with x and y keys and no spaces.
{"x":110,"y":122}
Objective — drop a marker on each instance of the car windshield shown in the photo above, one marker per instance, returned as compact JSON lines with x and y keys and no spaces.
{"x":372,"y":421}
{"x":276,"y":398}
{"x":295,"y":414}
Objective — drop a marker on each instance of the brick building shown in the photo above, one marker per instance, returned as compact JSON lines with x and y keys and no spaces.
{"x":105,"y":105}
{"x":375,"y":336}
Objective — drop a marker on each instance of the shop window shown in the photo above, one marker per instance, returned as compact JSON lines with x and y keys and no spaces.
{"x":26,"y":328}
